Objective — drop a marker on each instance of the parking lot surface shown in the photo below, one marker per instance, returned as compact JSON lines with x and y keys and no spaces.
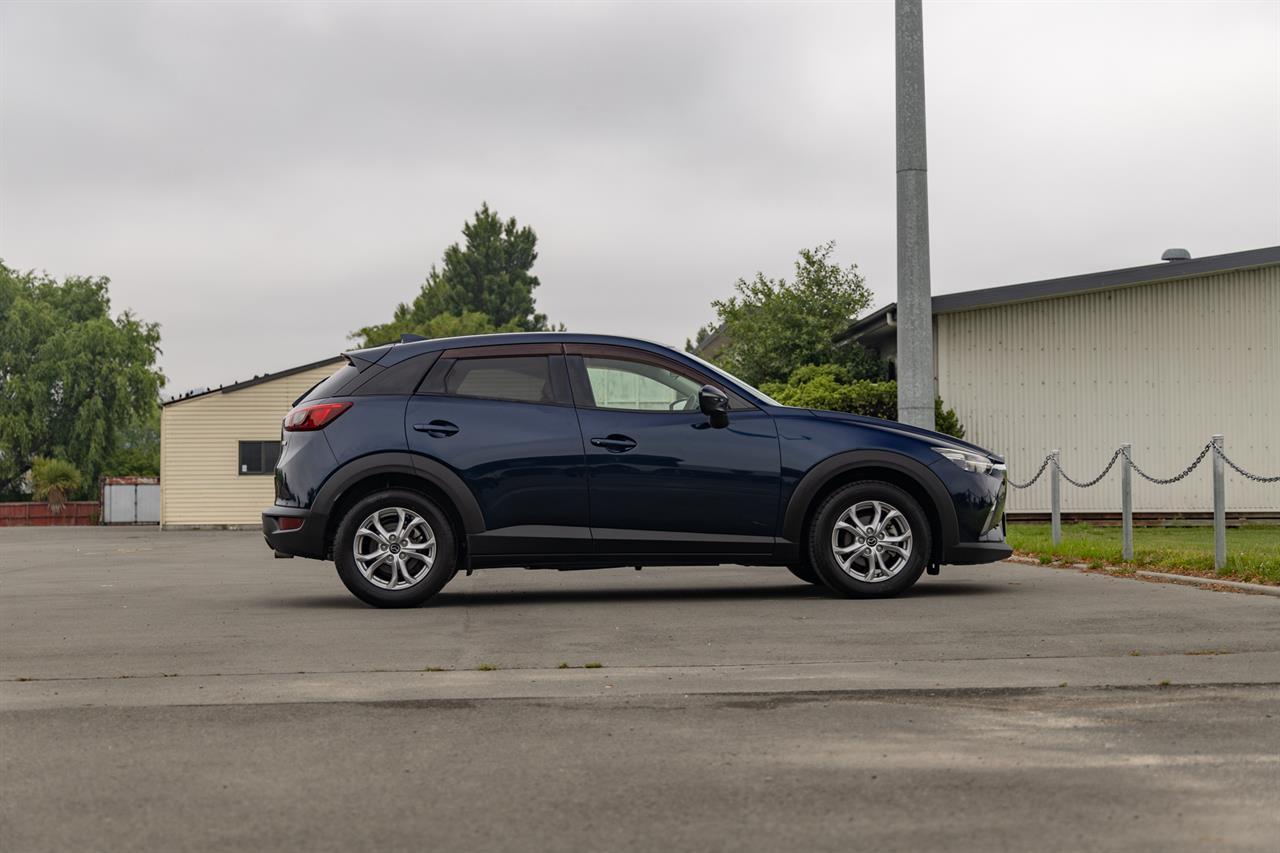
{"x":184,"y":691}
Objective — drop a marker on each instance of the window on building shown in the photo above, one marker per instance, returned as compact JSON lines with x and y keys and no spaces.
{"x":259,"y":457}
{"x":526,"y":379}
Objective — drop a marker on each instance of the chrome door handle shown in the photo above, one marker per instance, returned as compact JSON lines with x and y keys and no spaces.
{"x":614,"y":443}
{"x":437,"y":429}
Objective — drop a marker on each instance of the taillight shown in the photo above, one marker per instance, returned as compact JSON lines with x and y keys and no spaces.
{"x":307,"y":418}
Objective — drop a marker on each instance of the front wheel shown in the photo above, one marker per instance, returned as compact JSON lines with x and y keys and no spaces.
{"x":870,"y":540}
{"x":395,"y":549}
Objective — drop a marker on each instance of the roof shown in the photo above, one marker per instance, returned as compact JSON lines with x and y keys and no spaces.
{"x":948,"y":303}
{"x":257,"y":380}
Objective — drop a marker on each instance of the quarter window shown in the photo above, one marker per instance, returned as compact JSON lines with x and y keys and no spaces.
{"x":639,"y":386}
{"x":259,"y":457}
{"x":526,"y":379}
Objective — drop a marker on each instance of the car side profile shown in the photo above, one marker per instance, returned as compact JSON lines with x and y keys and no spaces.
{"x":552,"y":450}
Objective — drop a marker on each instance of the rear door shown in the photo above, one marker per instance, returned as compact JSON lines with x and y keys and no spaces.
{"x":662,"y":480}
{"x":501,"y":417}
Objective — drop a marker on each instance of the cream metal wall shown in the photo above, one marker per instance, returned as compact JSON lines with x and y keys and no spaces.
{"x":1162,"y":366}
{"x":200,"y":483}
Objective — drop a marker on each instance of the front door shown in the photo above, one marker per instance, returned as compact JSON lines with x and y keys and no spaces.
{"x":661,"y":479}
{"x":502,"y":419}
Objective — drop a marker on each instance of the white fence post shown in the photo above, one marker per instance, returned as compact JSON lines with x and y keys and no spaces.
{"x":1219,"y":505}
{"x":1126,"y":502}
{"x":1055,"y":500}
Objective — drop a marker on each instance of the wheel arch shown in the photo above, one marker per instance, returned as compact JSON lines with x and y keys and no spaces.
{"x":910,"y":475}
{"x":380,"y":471}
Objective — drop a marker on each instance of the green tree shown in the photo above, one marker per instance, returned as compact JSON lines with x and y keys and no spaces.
{"x":773,"y":326}
{"x":484,"y":285}
{"x":53,"y":480}
{"x":834,"y":388}
{"x":72,"y":378}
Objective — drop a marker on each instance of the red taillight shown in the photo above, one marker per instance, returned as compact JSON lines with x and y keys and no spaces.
{"x":287,"y":522}
{"x":318,"y":416}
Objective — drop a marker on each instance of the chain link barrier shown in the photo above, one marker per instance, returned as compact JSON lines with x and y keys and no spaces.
{"x":1159,"y":481}
{"x":1257,"y":478}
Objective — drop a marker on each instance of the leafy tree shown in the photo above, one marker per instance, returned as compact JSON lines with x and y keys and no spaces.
{"x":834,"y":388}
{"x":53,"y":480}
{"x":72,"y":379}
{"x":773,"y":326}
{"x":482,"y":286}
{"x":138,"y":452}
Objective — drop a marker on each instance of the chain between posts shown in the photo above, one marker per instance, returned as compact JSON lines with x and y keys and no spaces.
{"x":1159,"y":481}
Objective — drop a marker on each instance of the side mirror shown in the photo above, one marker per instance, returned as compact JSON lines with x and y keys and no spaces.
{"x":714,"y":403}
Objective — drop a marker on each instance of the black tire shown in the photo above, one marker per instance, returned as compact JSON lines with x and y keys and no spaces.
{"x":903,"y":572}
{"x":803,"y":569}
{"x":443,"y":567}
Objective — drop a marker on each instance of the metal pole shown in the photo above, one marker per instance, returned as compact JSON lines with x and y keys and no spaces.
{"x":1219,"y":506}
{"x":915,"y":302}
{"x":1055,"y":501}
{"x":1126,"y":501}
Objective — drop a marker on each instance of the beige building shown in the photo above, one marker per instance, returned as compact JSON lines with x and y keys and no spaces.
{"x":1160,"y":356}
{"x":218,"y":448}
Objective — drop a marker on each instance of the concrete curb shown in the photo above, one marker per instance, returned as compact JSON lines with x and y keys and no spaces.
{"x":1250,"y":587}
{"x":1167,"y":577}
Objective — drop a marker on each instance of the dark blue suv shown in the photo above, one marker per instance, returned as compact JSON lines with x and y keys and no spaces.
{"x":555,"y":450}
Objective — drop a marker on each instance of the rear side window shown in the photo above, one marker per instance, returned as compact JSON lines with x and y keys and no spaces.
{"x":526,"y":379}
{"x":332,"y":386}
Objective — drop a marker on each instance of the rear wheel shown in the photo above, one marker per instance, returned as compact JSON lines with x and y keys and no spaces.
{"x":395,"y":549}
{"x":870,"y":540}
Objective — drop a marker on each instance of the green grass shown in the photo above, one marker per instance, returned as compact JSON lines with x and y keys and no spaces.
{"x":1253,"y":551}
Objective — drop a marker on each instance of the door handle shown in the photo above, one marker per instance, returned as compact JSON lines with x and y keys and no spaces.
{"x":614,"y":443}
{"x":437,"y":429}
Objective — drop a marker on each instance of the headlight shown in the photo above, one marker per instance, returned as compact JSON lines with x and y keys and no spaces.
{"x":975,"y":462}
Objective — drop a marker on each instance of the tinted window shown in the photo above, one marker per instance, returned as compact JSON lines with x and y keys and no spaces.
{"x":402,"y":378}
{"x":617,"y":384}
{"x":332,"y":386}
{"x":259,"y":457}
{"x":523,"y":378}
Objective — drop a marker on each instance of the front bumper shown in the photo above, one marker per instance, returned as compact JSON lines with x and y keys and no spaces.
{"x":304,"y":540}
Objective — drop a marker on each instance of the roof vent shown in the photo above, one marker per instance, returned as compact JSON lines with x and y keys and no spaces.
{"x":1175,"y":255}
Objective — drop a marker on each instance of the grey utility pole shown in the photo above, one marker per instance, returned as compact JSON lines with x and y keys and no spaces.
{"x":915,"y":301}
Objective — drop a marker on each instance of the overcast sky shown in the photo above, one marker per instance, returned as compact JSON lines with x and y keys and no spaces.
{"x":263,"y":179}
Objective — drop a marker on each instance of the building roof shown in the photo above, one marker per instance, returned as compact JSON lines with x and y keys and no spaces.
{"x":949,"y":303}
{"x":257,"y":380}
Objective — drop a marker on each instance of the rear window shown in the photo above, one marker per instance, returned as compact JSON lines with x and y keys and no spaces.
{"x":333,"y":385}
{"x":526,"y":379}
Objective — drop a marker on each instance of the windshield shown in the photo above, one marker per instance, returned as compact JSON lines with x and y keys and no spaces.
{"x":724,"y":374}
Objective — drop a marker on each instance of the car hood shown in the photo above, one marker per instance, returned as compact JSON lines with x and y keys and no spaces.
{"x":936,"y":439}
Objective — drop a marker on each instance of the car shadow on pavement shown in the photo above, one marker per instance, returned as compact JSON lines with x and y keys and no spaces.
{"x":455,"y":597}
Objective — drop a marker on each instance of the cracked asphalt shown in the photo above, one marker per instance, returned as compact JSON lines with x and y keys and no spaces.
{"x":184,"y":691}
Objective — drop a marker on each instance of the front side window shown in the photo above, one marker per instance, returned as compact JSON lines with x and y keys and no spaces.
{"x":259,"y":457}
{"x":526,"y":379}
{"x":638,"y":386}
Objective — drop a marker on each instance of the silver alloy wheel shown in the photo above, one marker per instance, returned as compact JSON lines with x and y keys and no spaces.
{"x":871,"y":541}
{"x":394,"y":548}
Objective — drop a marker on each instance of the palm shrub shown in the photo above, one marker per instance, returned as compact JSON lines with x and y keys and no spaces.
{"x":53,"y":480}
{"x":831,"y":387}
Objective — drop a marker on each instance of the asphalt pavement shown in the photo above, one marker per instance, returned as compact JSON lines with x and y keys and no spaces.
{"x":185,"y":691}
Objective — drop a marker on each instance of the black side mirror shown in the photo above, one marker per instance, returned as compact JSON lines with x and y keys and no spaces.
{"x":714,"y":403}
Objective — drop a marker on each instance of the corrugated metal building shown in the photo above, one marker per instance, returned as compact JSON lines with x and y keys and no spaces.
{"x":218,"y":448}
{"x":1161,"y":356}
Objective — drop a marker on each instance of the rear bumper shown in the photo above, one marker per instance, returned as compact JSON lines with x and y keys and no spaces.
{"x":305,"y":540}
{"x":971,"y":553}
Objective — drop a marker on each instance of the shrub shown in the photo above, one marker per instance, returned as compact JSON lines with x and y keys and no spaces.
{"x":832,"y":387}
{"x":53,"y":480}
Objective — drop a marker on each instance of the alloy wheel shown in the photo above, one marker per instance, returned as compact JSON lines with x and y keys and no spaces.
{"x":394,"y":548}
{"x":871,"y":541}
